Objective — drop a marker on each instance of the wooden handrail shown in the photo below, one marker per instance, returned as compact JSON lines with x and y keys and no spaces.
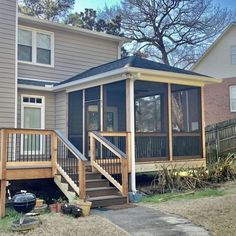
{"x":94,"y":135}
{"x":81,"y":167}
{"x":70,"y":146}
{"x":108,"y":144}
{"x":114,"y":134}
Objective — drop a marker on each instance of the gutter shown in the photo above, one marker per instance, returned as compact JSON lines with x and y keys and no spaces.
{"x":90,"y":78}
{"x":174,"y":75}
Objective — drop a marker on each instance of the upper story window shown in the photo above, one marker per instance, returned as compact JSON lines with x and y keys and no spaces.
{"x":233,"y":55}
{"x":35,"y":47}
{"x":232,"y":95}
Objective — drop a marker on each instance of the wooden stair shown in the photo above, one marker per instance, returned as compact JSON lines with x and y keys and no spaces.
{"x":98,"y":190}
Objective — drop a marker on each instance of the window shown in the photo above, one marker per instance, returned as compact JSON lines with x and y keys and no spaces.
{"x":232,"y":98}
{"x":35,"y":47}
{"x":25,"y":45}
{"x":233,"y":55}
{"x":32,"y":117}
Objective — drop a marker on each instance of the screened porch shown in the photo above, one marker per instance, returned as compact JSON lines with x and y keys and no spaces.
{"x":166,"y":120}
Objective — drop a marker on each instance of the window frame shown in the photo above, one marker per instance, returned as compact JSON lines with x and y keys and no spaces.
{"x":230,"y":97}
{"x":34,"y":46}
{"x":33,"y":105}
{"x":232,"y":54}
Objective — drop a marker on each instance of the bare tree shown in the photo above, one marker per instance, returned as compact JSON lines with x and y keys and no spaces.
{"x":174,"y":32}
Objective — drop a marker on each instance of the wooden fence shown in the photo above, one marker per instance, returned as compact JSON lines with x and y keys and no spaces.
{"x":220,"y":139}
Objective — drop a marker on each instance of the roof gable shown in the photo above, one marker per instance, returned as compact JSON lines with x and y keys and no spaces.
{"x":227,"y":29}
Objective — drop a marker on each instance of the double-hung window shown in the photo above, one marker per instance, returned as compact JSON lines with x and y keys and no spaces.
{"x":232,"y":92}
{"x":35,"y":47}
{"x":25,"y":45}
{"x":233,"y":55}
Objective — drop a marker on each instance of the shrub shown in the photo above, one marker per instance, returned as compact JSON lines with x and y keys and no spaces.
{"x":173,"y":179}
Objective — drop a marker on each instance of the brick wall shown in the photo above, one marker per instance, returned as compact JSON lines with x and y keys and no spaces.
{"x":217,"y":102}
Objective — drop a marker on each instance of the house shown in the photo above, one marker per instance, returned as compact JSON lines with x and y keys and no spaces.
{"x":219,"y":61}
{"x":73,"y":111}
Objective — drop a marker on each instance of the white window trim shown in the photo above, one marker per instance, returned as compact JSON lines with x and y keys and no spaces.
{"x":231,"y":54}
{"x":230,"y":97}
{"x":37,"y":105}
{"x":34,"y":105}
{"x":34,"y":46}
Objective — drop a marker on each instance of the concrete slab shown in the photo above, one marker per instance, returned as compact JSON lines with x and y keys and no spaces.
{"x":144,"y":221}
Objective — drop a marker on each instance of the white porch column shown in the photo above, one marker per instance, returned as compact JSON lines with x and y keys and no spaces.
{"x":130,"y":121}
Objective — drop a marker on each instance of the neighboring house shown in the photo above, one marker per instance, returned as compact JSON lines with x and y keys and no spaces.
{"x":124,"y":115}
{"x":219,"y":61}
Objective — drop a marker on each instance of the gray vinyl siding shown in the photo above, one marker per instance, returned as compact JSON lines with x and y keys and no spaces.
{"x":61,"y":112}
{"x":74,"y":53}
{"x":7,"y":62}
{"x":49,"y":106}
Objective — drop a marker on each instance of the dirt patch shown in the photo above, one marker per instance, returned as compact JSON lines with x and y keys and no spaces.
{"x":60,"y":225}
{"x":216,"y":214}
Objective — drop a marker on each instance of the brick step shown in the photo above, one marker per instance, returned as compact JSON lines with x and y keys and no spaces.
{"x":101,"y":191}
{"x":109,"y":200}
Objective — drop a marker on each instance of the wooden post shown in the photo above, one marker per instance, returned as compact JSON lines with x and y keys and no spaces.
{"x":124,"y":172}
{"x":92,"y":151}
{"x":3,"y":172}
{"x":3,"y":198}
{"x":170,"y":123}
{"x":54,"y":153}
{"x":3,"y":154}
{"x":82,"y":177}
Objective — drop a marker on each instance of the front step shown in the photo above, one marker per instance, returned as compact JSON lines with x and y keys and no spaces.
{"x":101,"y":191}
{"x":98,"y":190}
{"x":95,"y":183}
{"x":109,"y":200}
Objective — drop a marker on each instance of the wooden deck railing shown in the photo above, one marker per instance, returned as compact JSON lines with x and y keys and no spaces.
{"x":33,"y":148}
{"x":70,"y":163}
{"x":109,"y":160}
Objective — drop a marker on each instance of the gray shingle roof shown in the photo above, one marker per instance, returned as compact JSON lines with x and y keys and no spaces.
{"x":132,"y":61}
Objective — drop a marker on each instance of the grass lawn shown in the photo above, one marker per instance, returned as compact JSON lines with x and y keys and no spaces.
{"x":11,"y":215}
{"x":183,"y":196}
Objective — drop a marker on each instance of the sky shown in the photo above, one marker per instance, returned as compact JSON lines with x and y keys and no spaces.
{"x":96,"y":4}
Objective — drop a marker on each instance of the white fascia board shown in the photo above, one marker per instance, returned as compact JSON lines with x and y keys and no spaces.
{"x":90,"y":79}
{"x":174,"y":75}
{"x":32,"y":87}
{"x":40,"y":80}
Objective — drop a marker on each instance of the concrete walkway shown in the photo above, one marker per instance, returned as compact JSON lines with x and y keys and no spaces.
{"x":143,"y":221}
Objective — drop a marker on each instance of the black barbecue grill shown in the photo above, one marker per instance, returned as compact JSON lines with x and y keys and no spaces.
{"x":24,"y":203}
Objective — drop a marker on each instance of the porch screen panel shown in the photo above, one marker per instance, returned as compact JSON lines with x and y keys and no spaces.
{"x":75,"y":119}
{"x":186,"y":121}
{"x":151,"y":118}
{"x":114,"y":111}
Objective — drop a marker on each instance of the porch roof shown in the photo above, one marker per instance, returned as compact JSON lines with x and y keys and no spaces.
{"x":131,"y":61}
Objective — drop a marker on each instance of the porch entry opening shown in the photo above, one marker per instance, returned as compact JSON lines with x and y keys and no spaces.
{"x":101,"y":108}
{"x":32,"y":118}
